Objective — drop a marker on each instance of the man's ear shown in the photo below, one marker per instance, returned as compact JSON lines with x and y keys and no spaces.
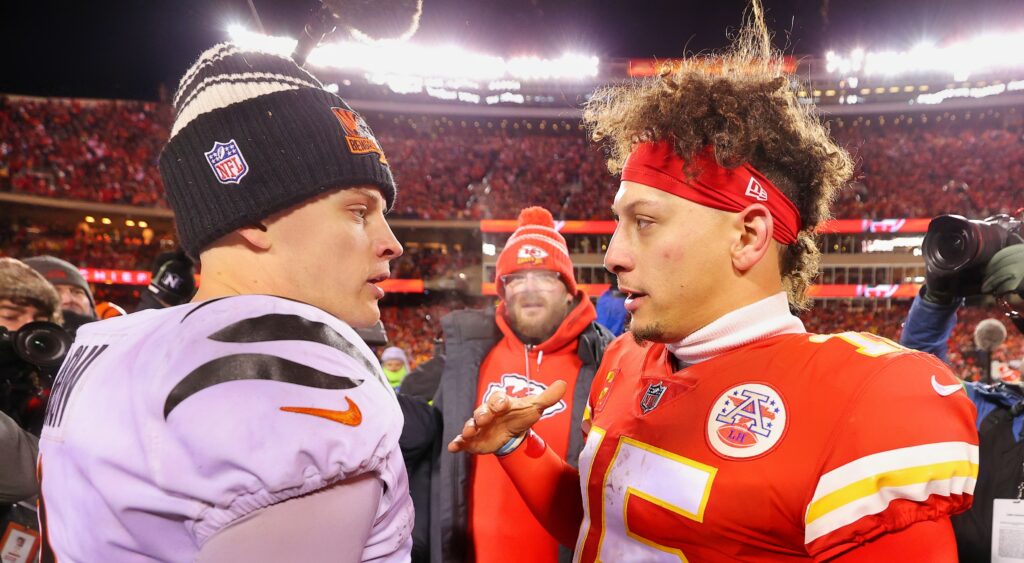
{"x":256,"y":236}
{"x":754,"y":227}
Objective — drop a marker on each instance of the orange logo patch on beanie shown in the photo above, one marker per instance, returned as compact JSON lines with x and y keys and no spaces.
{"x":529,"y":254}
{"x":357,"y":134}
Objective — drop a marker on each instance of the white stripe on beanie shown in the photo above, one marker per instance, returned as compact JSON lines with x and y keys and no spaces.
{"x":242,"y":77}
{"x":224,"y":76}
{"x":223,"y":95}
{"x":215,"y":53}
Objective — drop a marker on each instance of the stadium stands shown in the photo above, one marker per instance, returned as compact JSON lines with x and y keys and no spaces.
{"x":106,"y":152}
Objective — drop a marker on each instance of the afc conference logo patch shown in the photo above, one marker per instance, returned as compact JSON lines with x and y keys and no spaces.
{"x":529,"y":254}
{"x":227,"y":162}
{"x":515,"y":385}
{"x":746,"y":421}
{"x":357,"y":134}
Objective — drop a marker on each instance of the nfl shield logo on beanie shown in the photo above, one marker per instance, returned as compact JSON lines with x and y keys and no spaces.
{"x":227,"y":162}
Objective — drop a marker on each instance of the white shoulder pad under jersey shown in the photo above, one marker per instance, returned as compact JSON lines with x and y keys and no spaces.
{"x":167,"y":426}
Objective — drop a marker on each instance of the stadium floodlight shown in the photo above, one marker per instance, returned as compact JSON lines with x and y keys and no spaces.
{"x":961,"y":59}
{"x":448,"y":62}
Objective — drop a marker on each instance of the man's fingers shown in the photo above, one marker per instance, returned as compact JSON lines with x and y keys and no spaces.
{"x":498,"y":403}
{"x":456,"y":445}
{"x":483,"y":416}
{"x":551,"y":395}
{"x":470,"y":429}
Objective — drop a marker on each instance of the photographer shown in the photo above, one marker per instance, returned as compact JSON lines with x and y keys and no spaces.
{"x":1000,"y":406}
{"x":77,"y":304}
{"x":25,"y":296}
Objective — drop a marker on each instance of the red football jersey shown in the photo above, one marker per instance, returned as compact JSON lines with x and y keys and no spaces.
{"x":794,"y":448}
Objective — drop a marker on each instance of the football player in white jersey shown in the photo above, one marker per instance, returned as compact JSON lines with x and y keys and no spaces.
{"x":252,"y":424}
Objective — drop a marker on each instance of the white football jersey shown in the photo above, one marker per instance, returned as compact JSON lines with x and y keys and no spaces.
{"x":165,"y":426}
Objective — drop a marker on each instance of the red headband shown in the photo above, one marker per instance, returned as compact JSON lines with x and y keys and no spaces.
{"x":657,"y":165}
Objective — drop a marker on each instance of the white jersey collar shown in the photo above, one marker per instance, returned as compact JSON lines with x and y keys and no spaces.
{"x":758,"y":321}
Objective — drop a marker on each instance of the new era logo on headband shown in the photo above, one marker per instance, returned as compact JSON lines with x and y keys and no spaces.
{"x":227,"y":163}
{"x":357,"y":134}
{"x":756,"y":190}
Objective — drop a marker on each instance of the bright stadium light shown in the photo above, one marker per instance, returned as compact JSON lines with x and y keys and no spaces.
{"x":961,"y":60}
{"x":252,"y":41}
{"x":458,"y":67}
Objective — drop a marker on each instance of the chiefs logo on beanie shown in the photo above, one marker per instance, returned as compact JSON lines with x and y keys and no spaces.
{"x":535,"y":245}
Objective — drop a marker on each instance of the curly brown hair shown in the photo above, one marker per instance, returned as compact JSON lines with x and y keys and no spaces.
{"x":744,"y":105}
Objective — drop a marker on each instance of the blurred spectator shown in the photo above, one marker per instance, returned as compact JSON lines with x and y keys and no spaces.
{"x":542,"y":330}
{"x":75,"y":295}
{"x":25,"y":296}
{"x":395,"y":364}
{"x":611,"y":308}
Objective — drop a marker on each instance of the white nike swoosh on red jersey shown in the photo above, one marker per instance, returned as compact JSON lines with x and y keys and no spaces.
{"x":945,"y":390}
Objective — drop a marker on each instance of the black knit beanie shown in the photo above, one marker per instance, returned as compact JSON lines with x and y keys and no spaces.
{"x":253,"y":135}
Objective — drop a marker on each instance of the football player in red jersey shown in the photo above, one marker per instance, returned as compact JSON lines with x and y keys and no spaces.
{"x":720,"y":430}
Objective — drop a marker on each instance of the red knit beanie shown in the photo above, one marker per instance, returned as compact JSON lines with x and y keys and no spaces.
{"x":535,"y":245}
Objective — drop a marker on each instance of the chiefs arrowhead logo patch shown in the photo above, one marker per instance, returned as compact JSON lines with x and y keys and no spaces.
{"x":515,"y":385}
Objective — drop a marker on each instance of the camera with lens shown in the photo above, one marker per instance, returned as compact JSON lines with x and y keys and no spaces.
{"x":959,"y":248}
{"x":29,"y":359}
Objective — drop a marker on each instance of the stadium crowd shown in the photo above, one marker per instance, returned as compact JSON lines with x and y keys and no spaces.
{"x":106,"y":151}
{"x":427,"y":263}
{"x":926,"y":170}
{"x":888,"y":322}
{"x":79,"y":149}
{"x":84,"y":246}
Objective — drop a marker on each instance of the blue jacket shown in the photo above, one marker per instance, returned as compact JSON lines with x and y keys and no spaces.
{"x":611,"y":311}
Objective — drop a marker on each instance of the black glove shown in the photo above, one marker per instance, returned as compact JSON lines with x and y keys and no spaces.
{"x":940,"y":288}
{"x":1004,"y":273}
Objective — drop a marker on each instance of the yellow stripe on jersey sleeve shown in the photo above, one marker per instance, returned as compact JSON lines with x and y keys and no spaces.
{"x":867,"y":485}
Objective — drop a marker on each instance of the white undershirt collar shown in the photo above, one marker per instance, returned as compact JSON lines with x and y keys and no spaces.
{"x":758,"y":321}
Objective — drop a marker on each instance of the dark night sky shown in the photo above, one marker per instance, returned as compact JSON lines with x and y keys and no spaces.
{"x":125,"y":48}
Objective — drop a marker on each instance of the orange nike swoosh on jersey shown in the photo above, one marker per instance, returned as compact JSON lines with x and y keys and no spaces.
{"x":351,"y":417}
